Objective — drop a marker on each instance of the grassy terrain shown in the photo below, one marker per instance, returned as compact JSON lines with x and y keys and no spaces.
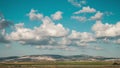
{"x":58,"y":64}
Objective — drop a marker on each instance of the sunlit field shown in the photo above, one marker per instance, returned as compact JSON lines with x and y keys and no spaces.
{"x":58,"y":64}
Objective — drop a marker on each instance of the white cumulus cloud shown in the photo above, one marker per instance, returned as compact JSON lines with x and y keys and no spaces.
{"x":106,"y":30}
{"x":86,"y":10}
{"x":77,"y":3}
{"x":82,"y":37}
{"x":39,"y":35}
{"x":79,"y":18}
{"x":57,"y":15}
{"x":97,"y":16}
{"x":34,"y":15}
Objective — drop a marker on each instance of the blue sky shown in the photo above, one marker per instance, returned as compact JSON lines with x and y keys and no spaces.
{"x":65,"y":27}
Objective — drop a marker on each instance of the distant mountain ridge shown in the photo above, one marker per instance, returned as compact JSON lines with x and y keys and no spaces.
{"x":50,"y":57}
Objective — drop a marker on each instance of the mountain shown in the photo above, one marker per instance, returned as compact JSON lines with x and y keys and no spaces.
{"x":57,"y":58}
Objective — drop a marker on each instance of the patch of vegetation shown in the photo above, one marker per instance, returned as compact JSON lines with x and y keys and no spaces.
{"x":58,"y":64}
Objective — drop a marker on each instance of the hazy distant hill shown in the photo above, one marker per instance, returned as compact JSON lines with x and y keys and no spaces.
{"x":57,"y":58}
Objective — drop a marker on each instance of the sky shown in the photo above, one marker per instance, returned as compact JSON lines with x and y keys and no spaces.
{"x":62,"y":27}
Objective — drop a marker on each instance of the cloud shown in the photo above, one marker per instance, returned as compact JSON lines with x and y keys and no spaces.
{"x":97,"y":16}
{"x":50,"y":47}
{"x":85,"y":10}
{"x":85,"y":18}
{"x":52,"y":29}
{"x":3,"y":39}
{"x":96,"y":47}
{"x":77,"y":3}
{"x":82,"y":37}
{"x":116,"y":41}
{"x":34,"y":15}
{"x":41,"y":35}
{"x":79,"y":18}
{"x":77,"y":39}
{"x":49,"y":35}
{"x":106,"y":30}
{"x":4,"y":24}
{"x":57,"y":15}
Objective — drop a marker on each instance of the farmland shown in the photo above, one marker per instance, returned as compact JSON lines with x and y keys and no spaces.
{"x":59,"y":64}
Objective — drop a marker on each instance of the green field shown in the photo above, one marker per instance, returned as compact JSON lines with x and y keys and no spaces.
{"x":58,"y":64}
